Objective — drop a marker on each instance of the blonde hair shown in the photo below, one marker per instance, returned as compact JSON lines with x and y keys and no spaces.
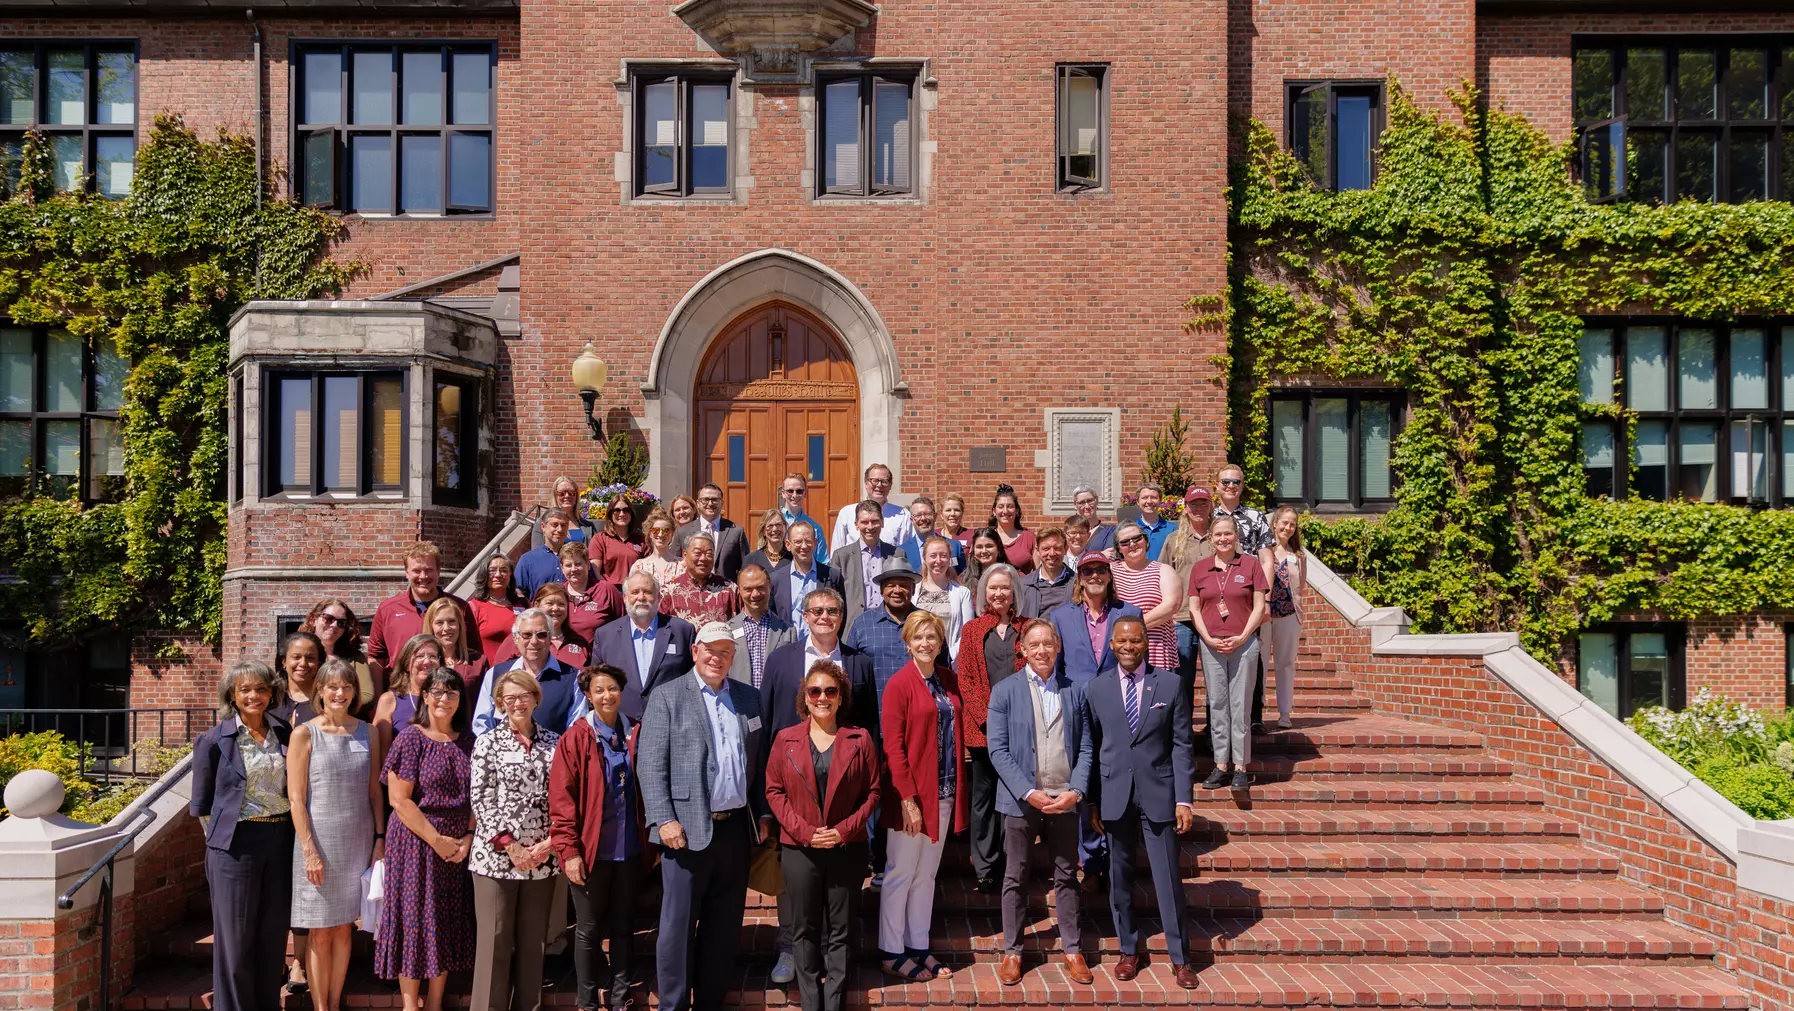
{"x":453,"y":606}
{"x":917,"y":620}
{"x":516,"y":676}
{"x":1295,"y":536}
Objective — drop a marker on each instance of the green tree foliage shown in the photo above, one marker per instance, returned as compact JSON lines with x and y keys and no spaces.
{"x":159,"y":273}
{"x":1169,"y":463}
{"x":1462,"y":276}
{"x":625,"y":462}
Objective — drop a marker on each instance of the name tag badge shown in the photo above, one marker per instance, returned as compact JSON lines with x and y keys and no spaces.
{"x":513,"y":758}
{"x":672,"y":648}
{"x":739,"y":633}
{"x":358,"y":747}
{"x":753,"y":724}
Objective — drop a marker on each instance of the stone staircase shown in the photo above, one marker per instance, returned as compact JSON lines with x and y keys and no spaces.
{"x":1378,"y":862}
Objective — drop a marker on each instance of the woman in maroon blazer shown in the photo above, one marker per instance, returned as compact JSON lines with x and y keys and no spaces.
{"x":924,"y":733}
{"x":822,"y":786}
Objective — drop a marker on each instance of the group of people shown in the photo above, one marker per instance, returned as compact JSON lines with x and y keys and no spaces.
{"x":659,"y":697}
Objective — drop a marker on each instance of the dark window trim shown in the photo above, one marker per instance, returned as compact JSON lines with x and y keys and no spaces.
{"x":237,"y":426}
{"x":681,"y":188}
{"x":88,"y":413}
{"x":1778,"y":339}
{"x":1379,"y":119}
{"x":340,"y":132}
{"x":1065,"y":181}
{"x":1779,"y":73}
{"x":365,"y":488}
{"x":1788,"y":664}
{"x":1356,"y":502}
{"x":1675,"y":635}
{"x":89,"y":131}
{"x":909,"y":77}
{"x":468,"y":495}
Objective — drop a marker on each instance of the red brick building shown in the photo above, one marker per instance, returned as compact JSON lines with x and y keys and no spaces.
{"x":956,"y":239}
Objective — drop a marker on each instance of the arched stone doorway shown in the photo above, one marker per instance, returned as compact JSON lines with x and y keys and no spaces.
{"x":776,"y":395}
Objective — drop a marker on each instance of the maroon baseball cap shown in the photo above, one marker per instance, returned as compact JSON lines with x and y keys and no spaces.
{"x":1197,"y":493}
{"x":1096,"y":557}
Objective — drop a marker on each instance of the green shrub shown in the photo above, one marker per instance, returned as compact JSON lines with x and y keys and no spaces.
{"x":1761,"y":790}
{"x":85,"y":800}
{"x":1747,"y":757}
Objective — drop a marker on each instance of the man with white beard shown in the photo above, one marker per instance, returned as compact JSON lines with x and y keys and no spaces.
{"x":652,"y":648}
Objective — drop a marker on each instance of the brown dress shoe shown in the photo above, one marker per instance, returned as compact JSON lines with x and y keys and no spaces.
{"x":1186,"y":977}
{"x":1009,"y":970}
{"x":1077,"y":970}
{"x":1129,"y":966}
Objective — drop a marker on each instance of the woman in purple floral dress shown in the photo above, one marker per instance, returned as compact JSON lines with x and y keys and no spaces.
{"x":426,"y":919}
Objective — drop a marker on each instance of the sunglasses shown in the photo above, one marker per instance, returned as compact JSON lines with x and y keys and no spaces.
{"x":823,"y":691}
{"x":1126,"y":541}
{"x":1232,"y":480}
{"x":824,"y":612}
{"x":532,"y":635}
{"x":330,"y":619}
{"x":1093,"y":573}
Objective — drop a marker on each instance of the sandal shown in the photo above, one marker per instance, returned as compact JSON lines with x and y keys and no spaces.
{"x":933,"y":965}
{"x":916,"y":973}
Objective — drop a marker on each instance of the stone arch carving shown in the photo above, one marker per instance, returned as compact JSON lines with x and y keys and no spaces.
{"x":734,"y":288}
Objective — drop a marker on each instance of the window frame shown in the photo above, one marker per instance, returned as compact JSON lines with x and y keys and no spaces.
{"x":1675,"y":636}
{"x":468,"y":495}
{"x":39,"y":419}
{"x":89,"y":130}
{"x":1065,"y":181}
{"x":869,"y":78}
{"x":1293,"y":89}
{"x":365,"y":487}
{"x":340,"y":133}
{"x":681,"y":188}
{"x":1355,"y":502}
{"x":1778,"y":340}
{"x":1788,"y":665}
{"x":1779,"y":78}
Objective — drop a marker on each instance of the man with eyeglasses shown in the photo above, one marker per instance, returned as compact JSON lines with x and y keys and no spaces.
{"x":1255,"y":540}
{"x":651,"y":648}
{"x":562,"y":703}
{"x":795,"y":577}
{"x":897,"y":526}
{"x":1102,"y":535}
{"x":793,"y":492}
{"x":729,"y":540}
{"x":921,"y":516}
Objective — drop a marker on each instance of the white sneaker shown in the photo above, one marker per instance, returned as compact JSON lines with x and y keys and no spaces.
{"x":784,"y":970}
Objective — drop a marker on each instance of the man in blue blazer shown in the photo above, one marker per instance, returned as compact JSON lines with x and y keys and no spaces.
{"x":652,"y":648}
{"x":1093,"y":604}
{"x":787,"y":666}
{"x":1140,"y":723}
{"x":799,"y":574}
{"x":1040,"y":746}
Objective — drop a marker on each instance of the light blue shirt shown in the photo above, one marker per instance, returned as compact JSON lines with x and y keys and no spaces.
{"x":801,"y":584}
{"x":562,"y":689}
{"x":793,"y":519}
{"x":643,"y":641}
{"x":1048,"y":689}
{"x":729,"y":790}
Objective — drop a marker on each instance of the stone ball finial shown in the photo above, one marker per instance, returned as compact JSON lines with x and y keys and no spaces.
{"x":34,"y":793}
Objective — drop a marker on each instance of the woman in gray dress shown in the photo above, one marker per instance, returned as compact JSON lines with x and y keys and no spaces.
{"x":337,"y":815}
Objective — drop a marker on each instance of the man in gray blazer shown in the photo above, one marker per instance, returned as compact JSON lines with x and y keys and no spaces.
{"x":863,"y":559}
{"x":701,"y":762}
{"x":731,"y":540}
{"x":757,"y":630}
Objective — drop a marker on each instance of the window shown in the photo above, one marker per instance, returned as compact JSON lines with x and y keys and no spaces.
{"x":387,"y":129}
{"x":867,"y":140}
{"x":59,"y":401}
{"x":83,"y":97}
{"x":456,"y":427}
{"x":1666,"y":119}
{"x":682,"y":135}
{"x":236,"y":485}
{"x":1715,"y":410}
{"x":1333,"y":129}
{"x":1083,"y":127}
{"x":1624,"y":668}
{"x":340,"y":434}
{"x":1331,"y":448}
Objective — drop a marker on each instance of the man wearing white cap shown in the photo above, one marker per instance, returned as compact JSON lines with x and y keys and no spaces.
{"x":702,"y":767}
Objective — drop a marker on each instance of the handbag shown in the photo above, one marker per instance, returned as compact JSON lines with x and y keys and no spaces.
{"x":373,"y":889}
{"x":766,"y":874}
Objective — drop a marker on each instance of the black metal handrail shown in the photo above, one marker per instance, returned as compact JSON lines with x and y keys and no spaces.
{"x":108,"y":738}
{"x":103,"y":867}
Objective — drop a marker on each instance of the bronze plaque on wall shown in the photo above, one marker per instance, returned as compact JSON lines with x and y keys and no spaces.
{"x":988,"y":460}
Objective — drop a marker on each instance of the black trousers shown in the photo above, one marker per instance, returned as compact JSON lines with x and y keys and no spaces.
{"x":822,"y":885}
{"x":252,"y":903}
{"x":605,"y":907}
{"x":987,"y":824}
{"x":710,"y":886}
{"x":1060,"y":833}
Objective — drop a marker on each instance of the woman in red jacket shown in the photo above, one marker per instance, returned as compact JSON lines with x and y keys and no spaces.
{"x":595,"y":825}
{"x":822,"y":786}
{"x":988,"y":653}
{"x":924,"y":733}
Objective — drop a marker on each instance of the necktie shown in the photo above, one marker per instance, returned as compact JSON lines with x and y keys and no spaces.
{"x":1131,"y":700}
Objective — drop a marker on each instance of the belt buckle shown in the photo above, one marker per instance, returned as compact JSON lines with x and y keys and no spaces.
{"x":722,"y":815}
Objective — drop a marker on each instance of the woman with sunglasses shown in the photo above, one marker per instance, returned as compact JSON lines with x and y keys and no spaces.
{"x":661,"y":561}
{"x":822,"y":786}
{"x":426,"y":917}
{"x":335,"y":625}
{"x":1152,"y":587}
{"x":495,"y":604}
{"x":619,"y":544}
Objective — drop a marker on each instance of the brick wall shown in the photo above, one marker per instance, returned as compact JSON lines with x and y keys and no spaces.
{"x":187,"y":677}
{"x":55,"y":963}
{"x":1742,"y":657}
{"x":170,"y":887}
{"x":1764,"y":933}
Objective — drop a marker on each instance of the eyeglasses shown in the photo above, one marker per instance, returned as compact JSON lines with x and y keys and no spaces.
{"x":710,"y":501}
{"x":823,"y":612}
{"x":330,"y":619}
{"x":823,"y":691}
{"x":882,"y":482}
{"x":621,"y":511}
{"x":794,"y":492}
{"x":442,"y":694}
{"x":532,"y":635}
{"x":1122,"y":542}
{"x":1232,"y":480}
{"x":516,"y":697}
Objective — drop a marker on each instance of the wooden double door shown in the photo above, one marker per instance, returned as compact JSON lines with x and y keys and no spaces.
{"x":777,"y":395}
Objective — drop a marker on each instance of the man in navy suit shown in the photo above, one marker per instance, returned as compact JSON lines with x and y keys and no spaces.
{"x":730,"y":541}
{"x":794,"y":578}
{"x":1140,"y":723}
{"x":652,"y":648}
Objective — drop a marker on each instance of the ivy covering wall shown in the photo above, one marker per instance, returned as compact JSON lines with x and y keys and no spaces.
{"x":159,"y":273}
{"x":1462,"y":277}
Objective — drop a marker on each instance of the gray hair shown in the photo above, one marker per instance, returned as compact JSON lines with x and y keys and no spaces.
{"x":700,"y":536}
{"x":653,"y":584}
{"x":227,"y":685}
{"x":825,"y":591}
{"x":1129,"y":525}
{"x":1015,"y":585}
{"x":531,"y":614}
{"x":1085,"y":489}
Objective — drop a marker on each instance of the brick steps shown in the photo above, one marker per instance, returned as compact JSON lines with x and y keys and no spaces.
{"x":1305,"y":702}
{"x":1353,"y":732}
{"x":1347,"y":793}
{"x":1360,"y":767}
{"x":1450,"y":858}
{"x":1308,"y":823}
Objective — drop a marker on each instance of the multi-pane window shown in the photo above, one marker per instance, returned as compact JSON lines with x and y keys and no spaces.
{"x":340,"y":434}
{"x":83,"y":98}
{"x":1714,"y":406}
{"x":1624,"y":668}
{"x":682,"y":135}
{"x":868,"y":142}
{"x":455,"y":442}
{"x":1333,"y":129}
{"x":1667,"y":119}
{"x":1331,"y":448}
{"x":1083,"y":127}
{"x":394,"y":129}
{"x":59,"y":401}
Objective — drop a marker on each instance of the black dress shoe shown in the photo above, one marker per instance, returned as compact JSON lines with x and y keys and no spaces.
{"x":1241,"y":781}
{"x":986,"y":886}
{"x":1258,"y":727}
{"x":1215,"y":780}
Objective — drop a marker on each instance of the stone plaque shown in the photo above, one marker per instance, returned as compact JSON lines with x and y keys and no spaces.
{"x":1082,"y":460}
{"x":1083,"y":446}
{"x":988,"y":460}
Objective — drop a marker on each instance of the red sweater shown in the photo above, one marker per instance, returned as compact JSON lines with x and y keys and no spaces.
{"x":576,"y":793}
{"x":494,"y":621}
{"x":912,"y":751}
{"x":974,"y":680}
{"x":852,"y":785}
{"x":397,"y":619}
